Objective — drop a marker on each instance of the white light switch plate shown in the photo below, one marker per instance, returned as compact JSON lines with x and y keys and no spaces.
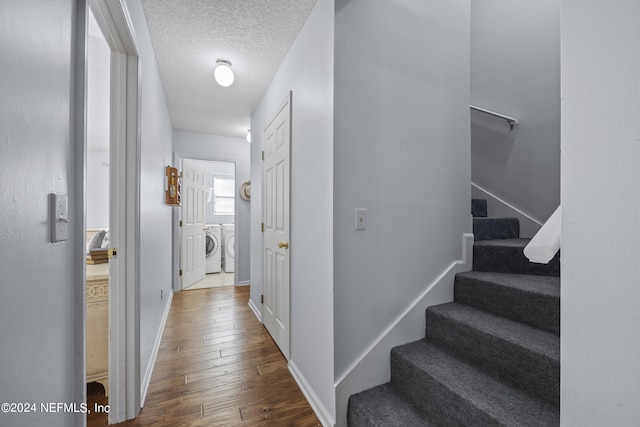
{"x":361,"y":219}
{"x":59,"y":217}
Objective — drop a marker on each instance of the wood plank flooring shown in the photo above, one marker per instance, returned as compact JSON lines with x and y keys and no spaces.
{"x":218,"y":366}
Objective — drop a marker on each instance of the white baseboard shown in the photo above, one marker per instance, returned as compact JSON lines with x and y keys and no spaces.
{"x":244,"y":283}
{"x":373,"y":367}
{"x":255,"y":310}
{"x":321,"y":412}
{"x":144,"y":387}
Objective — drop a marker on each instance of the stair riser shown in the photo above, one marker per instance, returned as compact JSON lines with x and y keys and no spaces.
{"x":479,"y":207}
{"x":541,"y":311}
{"x":495,"y":228}
{"x":435,"y":400}
{"x":501,"y":259}
{"x":531,"y":372}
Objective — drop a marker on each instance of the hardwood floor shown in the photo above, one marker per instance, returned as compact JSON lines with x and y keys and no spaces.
{"x":218,"y":366}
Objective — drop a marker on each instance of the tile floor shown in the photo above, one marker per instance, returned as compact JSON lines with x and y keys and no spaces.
{"x":213,"y":280}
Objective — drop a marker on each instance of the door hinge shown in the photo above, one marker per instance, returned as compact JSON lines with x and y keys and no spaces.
{"x":263,"y":155}
{"x":180,"y":272}
{"x":262,"y":299}
{"x":262,"y":228}
{"x":180,"y":223}
{"x":111,"y":252}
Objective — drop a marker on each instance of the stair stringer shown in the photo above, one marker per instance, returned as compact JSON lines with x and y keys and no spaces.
{"x":373,"y":367}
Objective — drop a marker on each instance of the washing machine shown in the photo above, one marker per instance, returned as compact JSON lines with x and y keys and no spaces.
{"x":213,"y":247}
{"x":228,"y":247}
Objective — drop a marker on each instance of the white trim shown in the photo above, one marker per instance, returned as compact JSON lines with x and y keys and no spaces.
{"x":77,"y":199}
{"x":321,"y":412}
{"x":526,"y":215}
{"x":244,"y":283}
{"x":255,"y":310}
{"x":372,"y":367}
{"x":154,"y":353}
{"x":124,"y":324}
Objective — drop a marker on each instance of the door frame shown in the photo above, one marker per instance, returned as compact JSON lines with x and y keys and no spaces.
{"x":125,"y":110}
{"x":177,"y":230}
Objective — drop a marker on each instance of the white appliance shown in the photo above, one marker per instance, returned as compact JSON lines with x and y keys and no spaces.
{"x":213,"y":247}
{"x":228,"y":247}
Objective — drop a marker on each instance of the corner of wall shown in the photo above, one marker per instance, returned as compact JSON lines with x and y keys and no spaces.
{"x":316,"y":403}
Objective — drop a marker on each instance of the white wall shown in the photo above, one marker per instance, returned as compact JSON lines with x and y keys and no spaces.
{"x":204,"y":146}
{"x":600,"y":383}
{"x":97,"y":188}
{"x":42,"y":293}
{"x":515,"y":70}
{"x":155,"y":216}
{"x":98,"y":105}
{"x":308,"y":72}
{"x":401,"y":150}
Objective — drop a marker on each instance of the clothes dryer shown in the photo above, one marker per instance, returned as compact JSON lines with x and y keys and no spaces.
{"x":228,"y":243}
{"x":213,"y":247}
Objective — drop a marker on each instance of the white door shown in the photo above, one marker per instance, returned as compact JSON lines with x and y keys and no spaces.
{"x":193,"y":247}
{"x":276,"y":140}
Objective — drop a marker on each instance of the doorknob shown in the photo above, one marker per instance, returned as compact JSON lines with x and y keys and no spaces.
{"x":283,"y":245}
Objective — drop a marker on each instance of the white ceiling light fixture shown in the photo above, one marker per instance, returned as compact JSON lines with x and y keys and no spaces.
{"x":223,"y":73}
{"x":249,"y":136}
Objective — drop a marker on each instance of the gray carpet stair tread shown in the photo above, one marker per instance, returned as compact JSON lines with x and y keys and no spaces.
{"x":533,"y":339}
{"x":532,"y":299}
{"x":543,"y":285}
{"x":492,"y":399}
{"x":382,"y":406}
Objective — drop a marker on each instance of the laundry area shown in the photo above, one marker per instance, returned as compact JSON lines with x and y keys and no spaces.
{"x":219,"y":213}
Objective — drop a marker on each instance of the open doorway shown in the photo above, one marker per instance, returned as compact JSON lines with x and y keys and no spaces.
{"x":97,"y":218}
{"x":215,"y":181}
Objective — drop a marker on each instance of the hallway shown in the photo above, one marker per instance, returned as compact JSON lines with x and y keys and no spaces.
{"x":218,"y":366}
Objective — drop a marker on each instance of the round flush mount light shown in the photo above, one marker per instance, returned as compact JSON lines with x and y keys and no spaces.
{"x":249,"y":136}
{"x":223,"y":73}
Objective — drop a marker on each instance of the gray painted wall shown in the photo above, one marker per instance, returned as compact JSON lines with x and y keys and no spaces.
{"x":308,"y":72}
{"x":41,"y":286}
{"x":401,"y":150}
{"x":600,"y":214}
{"x":515,"y":70}
{"x":155,"y":215}
{"x":193,"y":145}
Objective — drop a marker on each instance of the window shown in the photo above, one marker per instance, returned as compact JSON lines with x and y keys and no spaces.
{"x":223,"y":196}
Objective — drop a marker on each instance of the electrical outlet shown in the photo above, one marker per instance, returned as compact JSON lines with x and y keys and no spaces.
{"x":361,"y":219}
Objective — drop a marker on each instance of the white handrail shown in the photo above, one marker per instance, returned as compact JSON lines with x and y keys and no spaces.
{"x":511,"y":120}
{"x":546,"y":243}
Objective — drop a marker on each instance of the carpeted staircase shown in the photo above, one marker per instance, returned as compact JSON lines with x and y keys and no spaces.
{"x":491,"y":357}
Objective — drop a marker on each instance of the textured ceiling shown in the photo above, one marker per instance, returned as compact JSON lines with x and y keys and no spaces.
{"x":190,"y":35}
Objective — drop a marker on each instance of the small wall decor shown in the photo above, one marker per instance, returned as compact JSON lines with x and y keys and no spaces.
{"x":172,"y":186}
